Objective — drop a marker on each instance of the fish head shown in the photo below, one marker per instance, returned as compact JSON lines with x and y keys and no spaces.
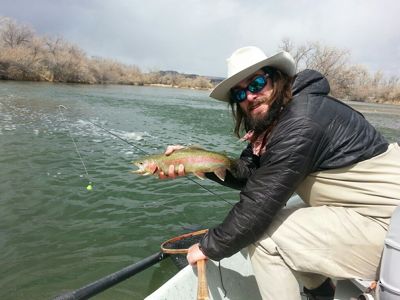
{"x":145,"y":167}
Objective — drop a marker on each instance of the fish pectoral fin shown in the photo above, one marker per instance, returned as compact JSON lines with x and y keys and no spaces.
{"x":220,"y":173}
{"x":200,"y":175}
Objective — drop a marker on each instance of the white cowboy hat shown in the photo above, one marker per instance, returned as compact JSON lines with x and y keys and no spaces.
{"x":247,"y":60}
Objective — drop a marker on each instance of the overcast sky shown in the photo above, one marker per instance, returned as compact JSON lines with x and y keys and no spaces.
{"x":196,"y":36}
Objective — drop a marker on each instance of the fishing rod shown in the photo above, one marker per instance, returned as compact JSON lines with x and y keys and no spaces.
{"x":110,"y":280}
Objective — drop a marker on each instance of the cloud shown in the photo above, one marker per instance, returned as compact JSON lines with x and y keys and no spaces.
{"x":196,"y":36}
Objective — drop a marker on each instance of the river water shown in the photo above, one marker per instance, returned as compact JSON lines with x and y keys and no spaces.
{"x":55,"y":235}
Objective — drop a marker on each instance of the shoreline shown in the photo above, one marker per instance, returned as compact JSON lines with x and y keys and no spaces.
{"x":161,"y":85}
{"x":175,"y":86}
{"x":111,"y":83}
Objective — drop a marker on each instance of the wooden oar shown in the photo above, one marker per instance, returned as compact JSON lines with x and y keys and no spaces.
{"x":110,"y":280}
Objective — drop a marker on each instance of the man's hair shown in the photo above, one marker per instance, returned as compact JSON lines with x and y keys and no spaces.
{"x":280,"y":97}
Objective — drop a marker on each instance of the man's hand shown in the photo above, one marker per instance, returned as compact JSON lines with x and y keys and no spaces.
{"x":195,"y":254}
{"x":171,"y":169}
{"x":172,"y":148}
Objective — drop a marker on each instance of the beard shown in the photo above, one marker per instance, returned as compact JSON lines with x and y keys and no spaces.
{"x":259,"y":124}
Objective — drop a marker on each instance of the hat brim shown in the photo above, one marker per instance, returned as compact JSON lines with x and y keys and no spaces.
{"x":282,"y":61}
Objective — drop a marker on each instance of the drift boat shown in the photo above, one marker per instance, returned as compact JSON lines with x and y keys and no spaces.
{"x":233,"y":279}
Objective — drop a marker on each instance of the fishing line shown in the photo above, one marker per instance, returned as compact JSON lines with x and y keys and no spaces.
{"x":138,"y":148}
{"x":90,"y":186}
{"x":117,"y":136}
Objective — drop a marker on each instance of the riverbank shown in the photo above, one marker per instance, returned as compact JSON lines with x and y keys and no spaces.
{"x":176,"y":87}
{"x":200,"y":88}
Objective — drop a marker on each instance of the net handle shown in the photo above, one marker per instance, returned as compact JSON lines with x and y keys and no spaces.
{"x":178,"y":238}
{"x":202,"y":288}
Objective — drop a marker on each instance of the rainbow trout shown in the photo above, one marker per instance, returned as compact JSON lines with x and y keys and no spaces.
{"x":196,"y":160}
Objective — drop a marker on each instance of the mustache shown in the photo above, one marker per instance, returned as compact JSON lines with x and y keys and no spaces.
{"x":257,"y":102}
{"x":260,"y":125}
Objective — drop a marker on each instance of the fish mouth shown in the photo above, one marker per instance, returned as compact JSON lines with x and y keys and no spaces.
{"x":142,"y":170}
{"x":138,"y":171}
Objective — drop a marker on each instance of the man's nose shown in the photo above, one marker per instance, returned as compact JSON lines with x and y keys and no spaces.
{"x":250,"y":96}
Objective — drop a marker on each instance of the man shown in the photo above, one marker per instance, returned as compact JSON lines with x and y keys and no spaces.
{"x":301,"y":140}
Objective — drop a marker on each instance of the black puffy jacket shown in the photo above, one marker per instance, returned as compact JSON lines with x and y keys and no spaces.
{"x":315,"y":132}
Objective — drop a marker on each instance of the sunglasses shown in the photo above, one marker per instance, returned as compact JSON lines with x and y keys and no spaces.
{"x":255,"y":86}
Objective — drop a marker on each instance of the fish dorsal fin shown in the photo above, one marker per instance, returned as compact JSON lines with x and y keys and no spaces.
{"x":195,"y":147}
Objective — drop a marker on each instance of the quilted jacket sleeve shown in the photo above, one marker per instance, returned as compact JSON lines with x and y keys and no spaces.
{"x":290,"y":156}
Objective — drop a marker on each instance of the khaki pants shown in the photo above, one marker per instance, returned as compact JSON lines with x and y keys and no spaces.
{"x":341,"y":235}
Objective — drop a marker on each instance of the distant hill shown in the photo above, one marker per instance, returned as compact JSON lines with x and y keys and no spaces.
{"x":213,"y":79}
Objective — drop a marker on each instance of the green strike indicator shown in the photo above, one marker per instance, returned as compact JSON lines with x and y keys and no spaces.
{"x":89,"y":187}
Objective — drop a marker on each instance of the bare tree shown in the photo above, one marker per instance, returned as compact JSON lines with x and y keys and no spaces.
{"x":13,"y":34}
{"x":329,"y":61}
{"x":325,"y":59}
{"x":299,"y":54}
{"x":313,"y":55}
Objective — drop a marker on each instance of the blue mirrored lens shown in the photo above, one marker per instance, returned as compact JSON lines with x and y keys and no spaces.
{"x":257,"y":84}
{"x":239,"y":95}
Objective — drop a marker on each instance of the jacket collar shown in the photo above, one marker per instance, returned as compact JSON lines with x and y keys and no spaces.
{"x":310,"y":82}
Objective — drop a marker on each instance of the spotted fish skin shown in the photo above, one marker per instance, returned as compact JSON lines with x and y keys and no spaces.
{"x":195,"y":160}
